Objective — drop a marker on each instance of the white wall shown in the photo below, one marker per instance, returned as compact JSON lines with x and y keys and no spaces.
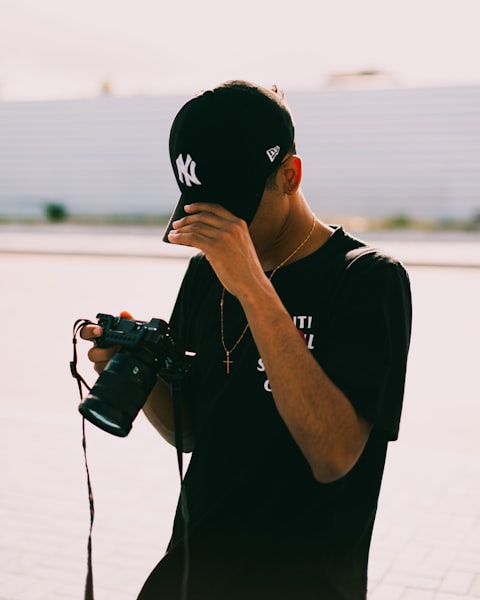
{"x":365,"y":152}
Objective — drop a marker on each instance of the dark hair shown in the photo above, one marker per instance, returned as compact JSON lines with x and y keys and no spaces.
{"x":274,"y":93}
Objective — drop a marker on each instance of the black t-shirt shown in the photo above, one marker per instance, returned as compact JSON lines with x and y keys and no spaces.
{"x":261,"y":527}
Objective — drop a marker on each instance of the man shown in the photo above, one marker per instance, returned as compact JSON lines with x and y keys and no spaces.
{"x":301,"y":336}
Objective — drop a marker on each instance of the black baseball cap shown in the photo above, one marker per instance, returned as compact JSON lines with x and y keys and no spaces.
{"x":225,"y":143}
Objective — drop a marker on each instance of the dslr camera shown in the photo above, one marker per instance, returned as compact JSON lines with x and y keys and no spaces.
{"x":147,"y":349}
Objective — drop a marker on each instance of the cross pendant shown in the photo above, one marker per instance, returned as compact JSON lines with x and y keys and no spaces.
{"x":228,"y":362}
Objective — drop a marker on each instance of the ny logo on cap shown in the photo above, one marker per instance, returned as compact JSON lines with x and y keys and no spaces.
{"x":186,"y":171}
{"x":272,"y":153}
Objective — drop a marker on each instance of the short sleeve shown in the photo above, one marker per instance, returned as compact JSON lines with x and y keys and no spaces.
{"x":369,"y":341}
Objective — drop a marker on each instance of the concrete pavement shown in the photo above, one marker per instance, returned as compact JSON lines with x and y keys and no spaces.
{"x":426,"y":543}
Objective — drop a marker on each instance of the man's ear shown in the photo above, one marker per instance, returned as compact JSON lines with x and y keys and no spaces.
{"x":292,"y":174}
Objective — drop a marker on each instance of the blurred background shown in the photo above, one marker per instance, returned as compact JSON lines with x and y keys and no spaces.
{"x":386,"y":100}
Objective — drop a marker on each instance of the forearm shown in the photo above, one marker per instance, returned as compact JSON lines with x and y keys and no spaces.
{"x":159,"y":411}
{"x":319,"y":416}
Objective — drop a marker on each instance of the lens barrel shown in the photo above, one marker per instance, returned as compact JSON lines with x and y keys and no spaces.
{"x":119,"y":393}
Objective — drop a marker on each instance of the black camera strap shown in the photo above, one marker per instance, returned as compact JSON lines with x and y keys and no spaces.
{"x":81,"y":381}
{"x":178,"y":428}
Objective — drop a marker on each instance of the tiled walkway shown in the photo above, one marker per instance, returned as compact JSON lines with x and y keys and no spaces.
{"x":426,"y":543}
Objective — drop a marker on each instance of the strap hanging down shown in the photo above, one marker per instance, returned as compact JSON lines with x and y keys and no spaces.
{"x":89,"y":595}
{"x":178,"y":425}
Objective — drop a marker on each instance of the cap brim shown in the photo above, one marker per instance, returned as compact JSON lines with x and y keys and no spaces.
{"x":178,"y":213}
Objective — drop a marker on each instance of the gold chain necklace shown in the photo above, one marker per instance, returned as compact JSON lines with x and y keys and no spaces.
{"x":227,"y":351}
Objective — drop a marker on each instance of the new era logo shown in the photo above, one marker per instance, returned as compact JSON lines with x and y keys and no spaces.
{"x":272,"y":153}
{"x":186,"y":170}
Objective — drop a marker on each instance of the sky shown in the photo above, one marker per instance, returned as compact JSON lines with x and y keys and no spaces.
{"x":56,"y":49}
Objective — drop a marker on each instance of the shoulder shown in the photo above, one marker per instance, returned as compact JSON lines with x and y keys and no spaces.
{"x":368,"y":270}
{"x":367,"y":259}
{"x":359,"y":257}
{"x":344,"y":253}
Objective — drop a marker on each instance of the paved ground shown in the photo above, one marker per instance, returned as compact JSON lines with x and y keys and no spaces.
{"x":426,"y":543}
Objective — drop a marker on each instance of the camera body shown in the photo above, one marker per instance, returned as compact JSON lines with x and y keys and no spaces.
{"x":147,"y":349}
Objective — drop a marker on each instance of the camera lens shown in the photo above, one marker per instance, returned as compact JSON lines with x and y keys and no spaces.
{"x":119,"y":393}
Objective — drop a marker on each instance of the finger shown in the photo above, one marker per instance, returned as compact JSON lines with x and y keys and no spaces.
{"x":126,"y":315}
{"x":200,"y":227}
{"x":98,"y":367}
{"x":210,"y":208}
{"x":204,"y":207}
{"x":90,"y":332}
{"x":208,"y":224}
{"x":98,"y":355}
{"x":204,"y":211}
